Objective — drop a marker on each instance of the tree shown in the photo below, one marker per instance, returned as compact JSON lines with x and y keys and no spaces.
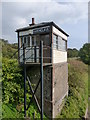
{"x":72,"y":52}
{"x":75,"y":52}
{"x":84,"y":53}
{"x":9,"y":49}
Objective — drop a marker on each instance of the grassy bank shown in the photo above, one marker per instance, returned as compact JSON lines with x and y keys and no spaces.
{"x":76,"y":102}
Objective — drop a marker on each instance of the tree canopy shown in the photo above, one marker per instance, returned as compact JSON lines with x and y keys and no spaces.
{"x":84,"y":53}
{"x":72,"y":52}
{"x":9,"y":49}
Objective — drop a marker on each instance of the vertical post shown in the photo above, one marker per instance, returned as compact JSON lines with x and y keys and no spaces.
{"x":24,"y":80}
{"x":35,"y":56}
{"x":41,"y":71}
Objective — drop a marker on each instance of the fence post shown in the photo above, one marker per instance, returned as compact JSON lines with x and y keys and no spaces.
{"x":41,"y":73}
{"x":24,"y":80}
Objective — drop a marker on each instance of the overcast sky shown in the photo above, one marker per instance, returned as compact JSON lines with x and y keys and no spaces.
{"x":72,"y":17}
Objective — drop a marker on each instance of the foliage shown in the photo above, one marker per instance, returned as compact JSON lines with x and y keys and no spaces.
{"x":10,"y":111}
{"x":13,"y":91}
{"x":13,"y":88}
{"x":84,"y":53}
{"x":72,"y":52}
{"x":76,"y":102}
{"x":12,"y":85}
{"x":9,"y":49}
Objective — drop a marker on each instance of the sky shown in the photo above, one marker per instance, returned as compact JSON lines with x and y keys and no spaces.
{"x":71,"y":16}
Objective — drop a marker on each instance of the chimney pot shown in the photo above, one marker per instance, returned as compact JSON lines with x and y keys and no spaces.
{"x":33,"y":22}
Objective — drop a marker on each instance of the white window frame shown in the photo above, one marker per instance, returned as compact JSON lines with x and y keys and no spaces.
{"x":60,"y":43}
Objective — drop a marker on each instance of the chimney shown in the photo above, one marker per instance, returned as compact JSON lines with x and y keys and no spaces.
{"x":33,"y":22}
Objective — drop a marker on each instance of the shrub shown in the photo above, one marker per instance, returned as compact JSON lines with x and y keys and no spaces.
{"x":12,"y":81}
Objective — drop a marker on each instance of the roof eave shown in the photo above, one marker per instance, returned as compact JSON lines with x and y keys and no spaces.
{"x":59,"y":29}
{"x":50,"y":23}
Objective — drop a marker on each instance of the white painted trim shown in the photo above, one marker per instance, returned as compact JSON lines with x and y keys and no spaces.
{"x":59,"y":56}
{"x":59,"y":33}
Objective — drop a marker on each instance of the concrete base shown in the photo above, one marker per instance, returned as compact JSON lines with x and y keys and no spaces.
{"x":60,"y":89}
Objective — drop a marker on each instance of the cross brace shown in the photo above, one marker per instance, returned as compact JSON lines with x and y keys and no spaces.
{"x":33,"y":94}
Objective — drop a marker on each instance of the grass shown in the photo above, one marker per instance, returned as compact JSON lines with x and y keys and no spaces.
{"x":9,"y":111}
{"x":77,"y":100}
{"x":13,"y":111}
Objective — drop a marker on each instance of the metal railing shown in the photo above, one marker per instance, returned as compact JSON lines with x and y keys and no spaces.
{"x":32,"y":54}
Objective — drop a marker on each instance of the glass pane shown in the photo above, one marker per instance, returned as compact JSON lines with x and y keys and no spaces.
{"x":21,"y":41}
{"x":32,"y":40}
{"x":28,"y":41}
{"x":45,"y":39}
{"x":24,"y":39}
{"x":38,"y":40}
{"x":55,"y":41}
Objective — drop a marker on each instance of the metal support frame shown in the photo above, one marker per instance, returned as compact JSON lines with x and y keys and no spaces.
{"x":24,"y":80}
{"x":35,"y":54}
{"x":41,"y":80}
{"x":33,"y":95}
{"x":41,"y":73}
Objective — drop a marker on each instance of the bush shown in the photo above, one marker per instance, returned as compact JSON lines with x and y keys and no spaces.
{"x":13,"y":91}
{"x":12,"y":81}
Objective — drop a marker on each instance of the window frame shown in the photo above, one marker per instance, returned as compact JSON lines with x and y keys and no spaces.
{"x":24,"y":39}
{"x":57,"y":46}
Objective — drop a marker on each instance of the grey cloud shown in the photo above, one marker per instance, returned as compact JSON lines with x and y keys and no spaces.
{"x":19,"y":14}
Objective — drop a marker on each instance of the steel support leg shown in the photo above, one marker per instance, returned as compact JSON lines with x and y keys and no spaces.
{"x":41,"y":71}
{"x":24,"y":80}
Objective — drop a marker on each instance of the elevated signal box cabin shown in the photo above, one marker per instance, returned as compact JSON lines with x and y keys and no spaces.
{"x":54,"y":61}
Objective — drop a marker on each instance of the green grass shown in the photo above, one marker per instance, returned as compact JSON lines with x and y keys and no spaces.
{"x":77,"y":100}
{"x":13,"y":111}
{"x":9,"y":111}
